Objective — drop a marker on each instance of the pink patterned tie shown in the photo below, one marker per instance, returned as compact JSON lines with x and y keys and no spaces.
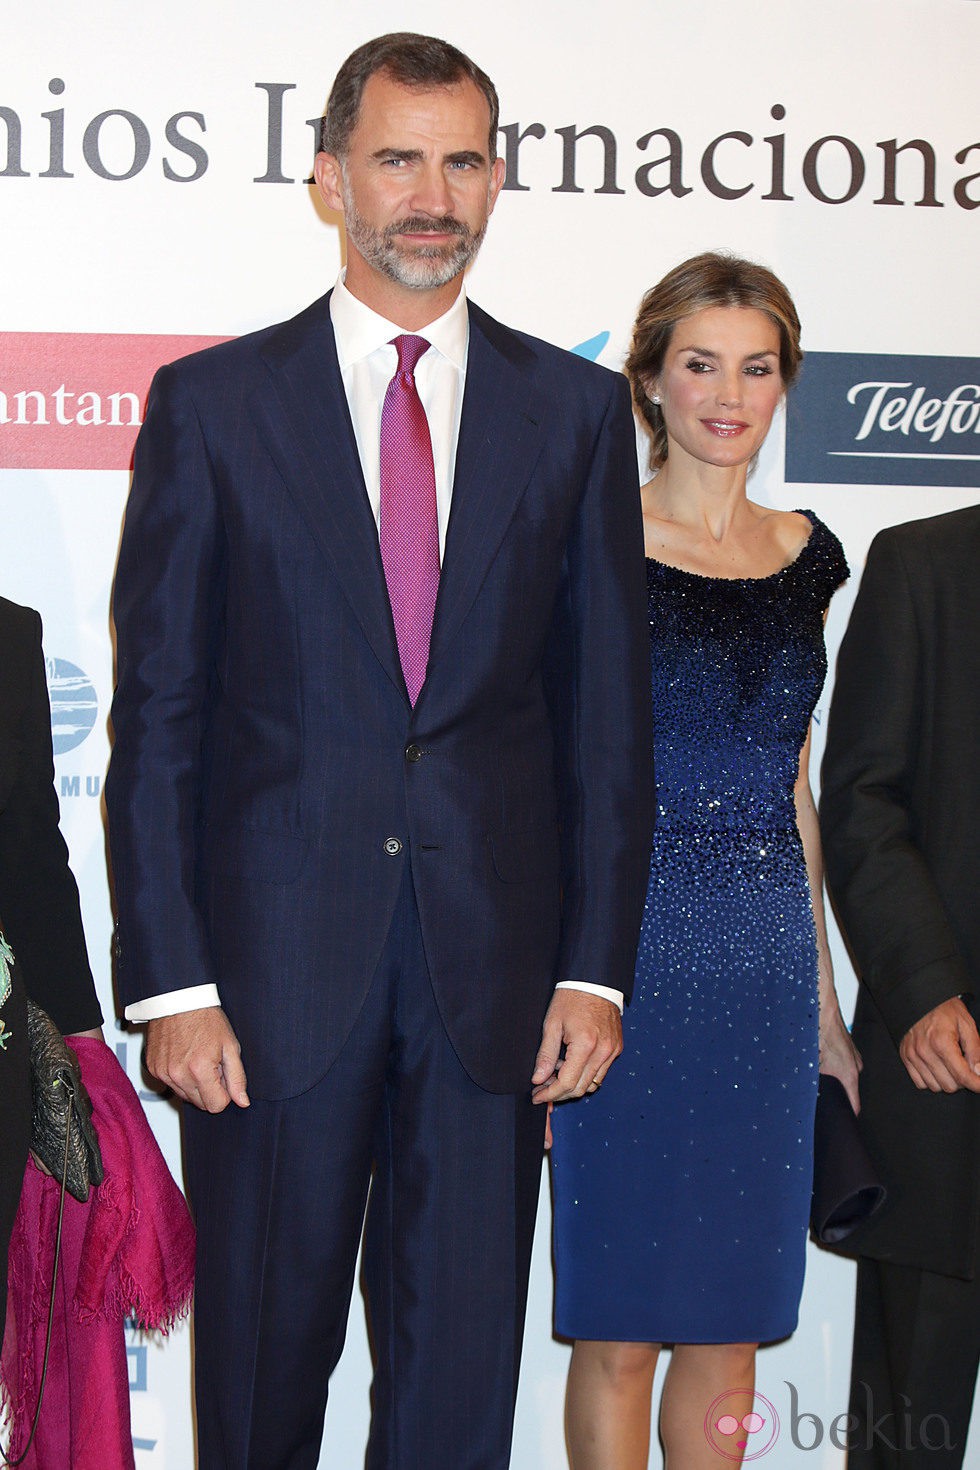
{"x":409,"y":524}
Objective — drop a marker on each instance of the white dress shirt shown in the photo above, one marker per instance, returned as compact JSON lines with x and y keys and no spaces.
{"x":367,"y":365}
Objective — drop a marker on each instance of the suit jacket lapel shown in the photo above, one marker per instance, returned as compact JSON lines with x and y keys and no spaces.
{"x":500,"y":439}
{"x":307,"y":427}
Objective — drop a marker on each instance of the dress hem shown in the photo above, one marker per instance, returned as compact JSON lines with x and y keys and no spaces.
{"x":767,"y":1335}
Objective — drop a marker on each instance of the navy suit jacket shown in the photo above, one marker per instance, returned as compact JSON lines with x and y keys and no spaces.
{"x":262,"y":804}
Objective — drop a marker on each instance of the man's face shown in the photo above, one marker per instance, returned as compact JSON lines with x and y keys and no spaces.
{"x":417,"y":187}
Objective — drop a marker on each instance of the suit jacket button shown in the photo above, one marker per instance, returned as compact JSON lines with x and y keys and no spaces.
{"x":392,"y":846}
{"x":413,"y":753}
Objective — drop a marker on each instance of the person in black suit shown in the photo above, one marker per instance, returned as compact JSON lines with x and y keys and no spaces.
{"x":39,"y":911}
{"x":356,"y":845}
{"x":901,"y":830}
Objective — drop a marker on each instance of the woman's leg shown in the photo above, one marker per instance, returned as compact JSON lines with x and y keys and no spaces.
{"x":698,"y":1376}
{"x":607,"y":1405}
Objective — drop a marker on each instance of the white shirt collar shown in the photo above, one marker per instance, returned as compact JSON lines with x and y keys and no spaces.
{"x":359,"y":331}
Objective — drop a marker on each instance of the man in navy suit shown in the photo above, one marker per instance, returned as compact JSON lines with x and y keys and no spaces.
{"x":365,"y":891}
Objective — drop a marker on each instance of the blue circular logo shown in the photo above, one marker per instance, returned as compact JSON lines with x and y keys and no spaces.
{"x":74,"y":705}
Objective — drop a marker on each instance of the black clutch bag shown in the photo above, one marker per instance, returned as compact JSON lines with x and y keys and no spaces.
{"x":847,"y":1189}
{"x":62,"y":1128}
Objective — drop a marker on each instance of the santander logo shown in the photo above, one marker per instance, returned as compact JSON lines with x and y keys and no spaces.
{"x":74,"y":400}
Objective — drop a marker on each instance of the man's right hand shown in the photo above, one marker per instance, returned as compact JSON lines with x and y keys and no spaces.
{"x":942,"y":1051}
{"x":197,"y":1055}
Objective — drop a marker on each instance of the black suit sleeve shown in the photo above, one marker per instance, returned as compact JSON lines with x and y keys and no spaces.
{"x":881,"y":883}
{"x":38,"y":896}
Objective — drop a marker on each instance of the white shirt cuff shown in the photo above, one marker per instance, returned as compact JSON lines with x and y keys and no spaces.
{"x":606,"y":991}
{"x":195,"y":997}
{"x":173,"y":1003}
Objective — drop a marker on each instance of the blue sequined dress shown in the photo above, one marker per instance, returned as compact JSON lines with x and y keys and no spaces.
{"x":682,"y":1188}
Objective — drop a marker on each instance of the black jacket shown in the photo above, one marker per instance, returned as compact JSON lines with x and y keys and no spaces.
{"x":38,"y":898}
{"x":900,"y":814}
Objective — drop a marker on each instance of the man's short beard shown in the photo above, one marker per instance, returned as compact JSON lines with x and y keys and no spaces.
{"x":420,"y":267}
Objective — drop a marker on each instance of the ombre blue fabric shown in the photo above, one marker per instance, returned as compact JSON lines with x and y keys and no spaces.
{"x":682,"y":1188}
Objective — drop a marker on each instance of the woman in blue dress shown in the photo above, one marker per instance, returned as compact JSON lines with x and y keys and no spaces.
{"x":682,"y":1188}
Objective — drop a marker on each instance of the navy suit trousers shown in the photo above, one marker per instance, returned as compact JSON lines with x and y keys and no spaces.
{"x":451,"y":1174}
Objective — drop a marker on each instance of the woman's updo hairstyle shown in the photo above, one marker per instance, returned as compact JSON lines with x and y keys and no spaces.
{"x":703,"y":281}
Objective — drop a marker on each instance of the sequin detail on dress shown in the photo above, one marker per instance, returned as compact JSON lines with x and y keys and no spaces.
{"x":682,"y":1189}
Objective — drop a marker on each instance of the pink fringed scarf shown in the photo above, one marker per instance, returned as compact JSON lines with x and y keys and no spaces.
{"x":127,"y":1252}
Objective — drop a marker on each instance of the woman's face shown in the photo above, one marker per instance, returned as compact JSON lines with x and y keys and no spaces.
{"x":720,"y":384}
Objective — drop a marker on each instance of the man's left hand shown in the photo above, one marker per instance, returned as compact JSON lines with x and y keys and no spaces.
{"x":591,"y":1031}
{"x":941,"y":1051}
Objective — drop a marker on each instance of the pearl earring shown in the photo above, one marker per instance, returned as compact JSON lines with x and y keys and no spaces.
{"x":655,"y":398}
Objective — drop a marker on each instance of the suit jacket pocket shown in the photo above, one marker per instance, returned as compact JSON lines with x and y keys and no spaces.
{"x":254,"y":852}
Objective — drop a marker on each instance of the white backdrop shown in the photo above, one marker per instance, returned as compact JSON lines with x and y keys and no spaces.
{"x":153,"y":184}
